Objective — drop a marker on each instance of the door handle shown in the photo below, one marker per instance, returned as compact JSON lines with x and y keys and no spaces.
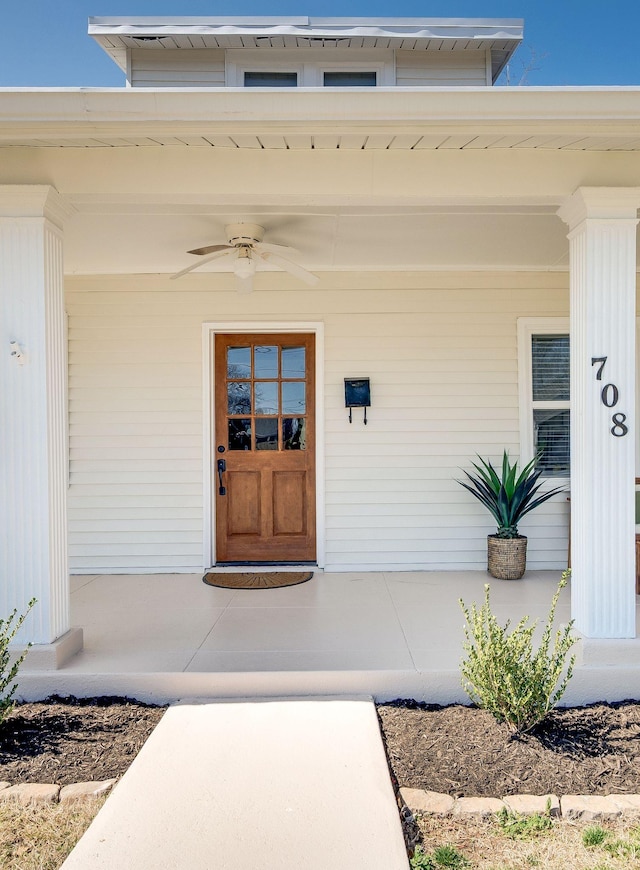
{"x":222,"y":467}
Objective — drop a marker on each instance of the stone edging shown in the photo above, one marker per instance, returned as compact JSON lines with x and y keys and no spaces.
{"x":576,"y":807}
{"x":43,"y":793}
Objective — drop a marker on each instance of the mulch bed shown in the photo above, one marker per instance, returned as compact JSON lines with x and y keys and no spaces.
{"x":457,"y":750}
{"x":65,"y":740}
{"x":464,"y":752}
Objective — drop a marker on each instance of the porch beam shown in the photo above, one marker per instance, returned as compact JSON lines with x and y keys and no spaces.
{"x":33,"y":410}
{"x":602,"y":232}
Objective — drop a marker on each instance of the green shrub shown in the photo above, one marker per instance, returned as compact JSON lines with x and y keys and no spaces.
{"x":8,"y":630}
{"x":505,"y":674}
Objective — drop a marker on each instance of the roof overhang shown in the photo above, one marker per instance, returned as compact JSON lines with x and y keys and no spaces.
{"x":574,"y":118}
{"x":118,"y":35}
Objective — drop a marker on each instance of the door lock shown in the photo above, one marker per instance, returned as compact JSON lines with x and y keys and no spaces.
{"x":222,"y":467}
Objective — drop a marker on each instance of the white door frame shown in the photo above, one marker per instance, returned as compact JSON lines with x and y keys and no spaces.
{"x":209,"y":331}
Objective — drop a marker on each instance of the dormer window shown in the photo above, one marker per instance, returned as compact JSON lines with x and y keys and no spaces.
{"x":350,"y":79}
{"x":302,"y":52}
{"x":266,"y":79}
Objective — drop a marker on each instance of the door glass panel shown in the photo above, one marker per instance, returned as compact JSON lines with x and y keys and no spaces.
{"x":266,"y":397}
{"x":266,"y":434}
{"x":293,"y":397}
{"x":265,"y":362}
{"x":238,"y":397}
{"x":238,"y":362}
{"x":294,"y":432}
{"x":293,"y":362}
{"x":239,"y":434}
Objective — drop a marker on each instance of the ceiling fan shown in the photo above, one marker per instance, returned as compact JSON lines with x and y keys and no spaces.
{"x":244,"y":251}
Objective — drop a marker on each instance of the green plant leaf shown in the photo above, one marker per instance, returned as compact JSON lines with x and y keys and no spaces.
{"x":505,"y":673}
{"x":508,"y":497}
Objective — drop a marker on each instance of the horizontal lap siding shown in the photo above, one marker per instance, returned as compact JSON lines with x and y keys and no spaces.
{"x":444,"y":384}
{"x":450,"y":69}
{"x":174,"y":69}
{"x":135,"y":437}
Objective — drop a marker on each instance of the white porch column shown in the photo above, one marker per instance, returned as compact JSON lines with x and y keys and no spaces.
{"x":602,"y":223}
{"x":33,"y":434}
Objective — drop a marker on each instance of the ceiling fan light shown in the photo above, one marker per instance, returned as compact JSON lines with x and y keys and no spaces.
{"x":244,"y":267}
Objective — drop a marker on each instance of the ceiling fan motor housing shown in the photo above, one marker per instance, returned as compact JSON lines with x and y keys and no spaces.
{"x":244,"y":234}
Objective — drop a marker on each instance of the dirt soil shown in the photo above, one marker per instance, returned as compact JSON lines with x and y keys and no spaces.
{"x":463,"y":751}
{"x":457,"y":750}
{"x":65,"y":740}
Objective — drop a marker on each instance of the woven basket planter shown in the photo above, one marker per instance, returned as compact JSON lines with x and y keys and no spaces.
{"x":506,"y":557}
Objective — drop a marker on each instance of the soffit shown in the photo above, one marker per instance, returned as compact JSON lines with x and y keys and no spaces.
{"x":582,"y":119}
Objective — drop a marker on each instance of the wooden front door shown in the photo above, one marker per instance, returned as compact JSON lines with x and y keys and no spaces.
{"x":264,"y":457}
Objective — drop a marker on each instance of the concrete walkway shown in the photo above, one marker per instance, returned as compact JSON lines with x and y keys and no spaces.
{"x":274,"y":784}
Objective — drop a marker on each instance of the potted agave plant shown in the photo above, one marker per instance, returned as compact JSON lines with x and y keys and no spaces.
{"x":508,"y":496}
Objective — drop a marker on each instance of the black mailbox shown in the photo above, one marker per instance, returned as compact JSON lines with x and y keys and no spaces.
{"x":357,"y":394}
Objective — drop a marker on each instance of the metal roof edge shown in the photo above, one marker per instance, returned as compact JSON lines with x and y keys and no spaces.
{"x":296,"y":21}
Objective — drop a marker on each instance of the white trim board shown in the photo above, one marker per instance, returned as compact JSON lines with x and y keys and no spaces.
{"x":528,"y":326}
{"x":209,"y":331}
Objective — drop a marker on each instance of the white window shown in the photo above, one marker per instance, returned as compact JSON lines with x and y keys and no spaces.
{"x":252,"y":70}
{"x":270,"y":79}
{"x":311,"y":68}
{"x":349,"y":78}
{"x":543,"y":363}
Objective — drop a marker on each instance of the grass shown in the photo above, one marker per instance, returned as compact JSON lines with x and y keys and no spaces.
{"x":40,"y":836}
{"x":520,"y":827}
{"x":594,"y":835}
{"x":544,"y":843}
{"x":441,"y":857}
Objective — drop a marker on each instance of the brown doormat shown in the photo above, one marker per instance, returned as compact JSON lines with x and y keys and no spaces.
{"x":257,"y":580}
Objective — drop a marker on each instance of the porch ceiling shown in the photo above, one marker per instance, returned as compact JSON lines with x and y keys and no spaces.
{"x":328,"y":239}
{"x":383,"y":179}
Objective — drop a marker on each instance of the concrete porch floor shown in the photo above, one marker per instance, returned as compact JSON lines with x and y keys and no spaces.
{"x":166,"y":637}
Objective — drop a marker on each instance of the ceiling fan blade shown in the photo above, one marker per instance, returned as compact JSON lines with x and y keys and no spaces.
{"x":291,"y":267}
{"x":274,"y":249}
{"x":210,"y":249}
{"x":218,"y":255}
{"x":244,"y":284}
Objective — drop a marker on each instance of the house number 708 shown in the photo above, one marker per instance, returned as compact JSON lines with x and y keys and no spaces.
{"x":609,"y":396}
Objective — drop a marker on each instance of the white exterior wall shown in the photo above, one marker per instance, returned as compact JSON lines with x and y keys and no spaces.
{"x":202,"y":67}
{"x":442,"y":358}
{"x":452,"y":69}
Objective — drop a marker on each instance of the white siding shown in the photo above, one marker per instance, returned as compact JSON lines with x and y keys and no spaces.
{"x":440,"y":68}
{"x":202,"y":67}
{"x":442,"y":359}
{"x":205,"y":67}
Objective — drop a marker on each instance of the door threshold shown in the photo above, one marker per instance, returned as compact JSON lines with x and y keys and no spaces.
{"x":263,"y":566}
